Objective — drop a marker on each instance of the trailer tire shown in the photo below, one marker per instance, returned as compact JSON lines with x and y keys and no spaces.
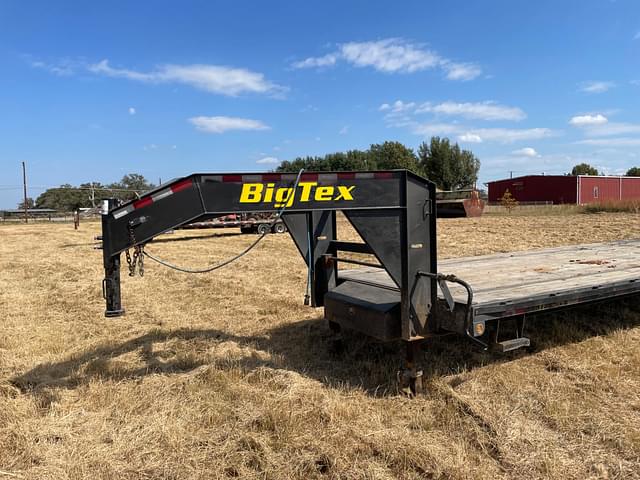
{"x":263,"y":228}
{"x":279,"y":228}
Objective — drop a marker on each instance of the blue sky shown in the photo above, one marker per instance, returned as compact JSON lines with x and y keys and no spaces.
{"x":91,"y":91}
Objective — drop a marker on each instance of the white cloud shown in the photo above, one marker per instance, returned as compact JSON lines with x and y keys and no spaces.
{"x":389,"y":55}
{"x":612,"y":129}
{"x":596,"y":87}
{"x":509,"y":135}
{"x":392,"y":55}
{"x":611,"y":142}
{"x":526,"y":152}
{"x":637,"y":36}
{"x":470,"y":138}
{"x":210,"y":78}
{"x":479,"y":135}
{"x":132,"y":111}
{"x":222,"y":124}
{"x":462,"y":71}
{"x":344,"y":130}
{"x":588,"y":120}
{"x":151,"y":146}
{"x":481,"y":110}
{"x":397,"y":107}
{"x":328,"y":60}
{"x":268,"y":160}
{"x":435,"y":129}
{"x":61,"y":68}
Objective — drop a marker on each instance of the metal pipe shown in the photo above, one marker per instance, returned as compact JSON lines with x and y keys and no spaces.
{"x":468,"y":317}
{"x":355,"y":262}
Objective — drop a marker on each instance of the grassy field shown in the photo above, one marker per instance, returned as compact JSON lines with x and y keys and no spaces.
{"x":228,"y":375}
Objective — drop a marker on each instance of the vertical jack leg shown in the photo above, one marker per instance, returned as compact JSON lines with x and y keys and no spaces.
{"x":410,"y":377}
{"x":111,"y":288}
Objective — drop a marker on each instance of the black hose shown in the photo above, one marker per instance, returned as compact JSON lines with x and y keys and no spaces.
{"x":224,"y":263}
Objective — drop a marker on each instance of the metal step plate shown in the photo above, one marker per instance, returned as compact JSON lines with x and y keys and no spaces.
{"x":513,"y":344}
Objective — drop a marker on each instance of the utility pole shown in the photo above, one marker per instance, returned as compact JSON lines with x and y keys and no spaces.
{"x":24,"y":184}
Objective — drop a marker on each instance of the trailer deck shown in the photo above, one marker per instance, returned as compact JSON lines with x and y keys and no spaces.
{"x":509,"y":284}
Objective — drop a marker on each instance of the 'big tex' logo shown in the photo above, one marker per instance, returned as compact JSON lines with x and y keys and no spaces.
{"x":285,"y":196}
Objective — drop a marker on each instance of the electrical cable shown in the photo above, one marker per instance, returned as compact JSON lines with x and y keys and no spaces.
{"x":236,"y":257}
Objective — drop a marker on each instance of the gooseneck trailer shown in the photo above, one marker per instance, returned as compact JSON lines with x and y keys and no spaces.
{"x":403,"y":293}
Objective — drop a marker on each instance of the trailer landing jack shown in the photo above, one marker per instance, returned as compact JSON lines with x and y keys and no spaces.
{"x":410,"y":378}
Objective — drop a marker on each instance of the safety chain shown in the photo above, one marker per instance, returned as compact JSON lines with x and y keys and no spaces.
{"x":137,"y":262}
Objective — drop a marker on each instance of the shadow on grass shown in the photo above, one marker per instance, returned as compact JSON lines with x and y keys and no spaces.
{"x":309,"y":348}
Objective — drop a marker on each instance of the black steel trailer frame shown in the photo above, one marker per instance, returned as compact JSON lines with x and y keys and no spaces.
{"x":394,"y":212}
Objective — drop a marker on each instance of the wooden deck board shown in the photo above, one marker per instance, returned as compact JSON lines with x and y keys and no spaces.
{"x":513,"y":277}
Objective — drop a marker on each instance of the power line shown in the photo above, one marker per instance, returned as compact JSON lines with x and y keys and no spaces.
{"x":36,"y":187}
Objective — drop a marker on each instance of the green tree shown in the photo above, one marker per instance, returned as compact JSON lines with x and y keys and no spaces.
{"x":30,"y":203}
{"x":339,"y":161}
{"x":68,"y":198}
{"x":131,"y":186}
{"x":65,"y":198}
{"x":390,"y":155}
{"x":633,"y":172}
{"x":584,"y":169}
{"x":450,"y":167}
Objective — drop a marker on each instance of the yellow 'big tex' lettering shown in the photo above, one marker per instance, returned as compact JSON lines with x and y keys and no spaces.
{"x":285,"y":196}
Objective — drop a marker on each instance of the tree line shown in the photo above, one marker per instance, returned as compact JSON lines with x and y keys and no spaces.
{"x":446,"y":164}
{"x":586,"y":169}
{"x":67,"y":198}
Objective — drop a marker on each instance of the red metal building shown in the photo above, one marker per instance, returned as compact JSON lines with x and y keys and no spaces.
{"x":556,"y":189}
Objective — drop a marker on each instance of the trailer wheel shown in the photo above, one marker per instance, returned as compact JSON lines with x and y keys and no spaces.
{"x":279,"y":228}
{"x":263,"y":228}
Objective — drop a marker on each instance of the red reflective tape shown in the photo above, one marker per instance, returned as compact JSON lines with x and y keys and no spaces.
{"x":181,"y":185}
{"x":383,"y":175}
{"x":271,"y":177}
{"x":232,"y":178}
{"x":308,"y":176}
{"x":143,"y":202}
{"x":346,"y":176}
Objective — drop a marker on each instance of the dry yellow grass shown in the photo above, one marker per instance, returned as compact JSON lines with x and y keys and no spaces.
{"x":229,"y":375}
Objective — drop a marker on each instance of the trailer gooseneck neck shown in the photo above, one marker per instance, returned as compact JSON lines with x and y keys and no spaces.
{"x":393,"y":211}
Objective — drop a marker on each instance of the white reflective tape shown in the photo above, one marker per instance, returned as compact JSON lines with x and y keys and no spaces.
{"x":162,"y":194}
{"x":252,"y":178}
{"x":123,"y":212}
{"x":328,"y":177}
{"x":364,"y":175}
